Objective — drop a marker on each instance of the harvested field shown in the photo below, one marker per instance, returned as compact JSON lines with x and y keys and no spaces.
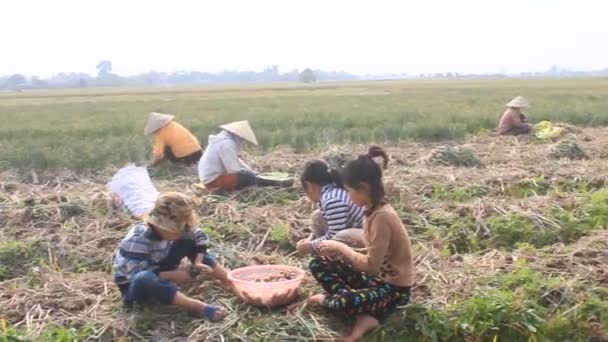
{"x":515,"y":250}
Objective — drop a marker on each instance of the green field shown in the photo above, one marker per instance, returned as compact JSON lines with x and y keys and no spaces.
{"x":93,"y":128}
{"x":511,"y":247}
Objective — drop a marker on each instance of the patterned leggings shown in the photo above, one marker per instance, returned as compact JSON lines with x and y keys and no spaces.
{"x":353,"y":292}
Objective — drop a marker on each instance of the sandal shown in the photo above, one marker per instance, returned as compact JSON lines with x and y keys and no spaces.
{"x":213,"y":313}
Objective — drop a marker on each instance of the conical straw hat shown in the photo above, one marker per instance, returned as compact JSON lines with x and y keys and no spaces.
{"x":157,"y":121}
{"x":519,"y":102}
{"x":241,"y":129}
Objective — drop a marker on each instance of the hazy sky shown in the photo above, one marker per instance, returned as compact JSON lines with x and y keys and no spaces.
{"x":378,"y":37}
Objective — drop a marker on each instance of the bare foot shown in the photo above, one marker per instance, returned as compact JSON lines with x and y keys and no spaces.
{"x":363,"y":325}
{"x":317,"y":299}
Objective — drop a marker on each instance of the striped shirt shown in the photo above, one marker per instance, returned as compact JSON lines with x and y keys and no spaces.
{"x":143,"y":249}
{"x":339,"y":212}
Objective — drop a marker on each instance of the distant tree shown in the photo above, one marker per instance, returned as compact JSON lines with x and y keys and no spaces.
{"x":308,"y":76}
{"x":270,"y":74}
{"x":104,"y":68}
{"x":37,"y":82}
{"x":106,"y":78}
{"x":15,"y":81}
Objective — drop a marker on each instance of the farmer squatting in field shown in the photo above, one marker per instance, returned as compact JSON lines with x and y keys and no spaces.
{"x":221,"y":167}
{"x":513,"y":121}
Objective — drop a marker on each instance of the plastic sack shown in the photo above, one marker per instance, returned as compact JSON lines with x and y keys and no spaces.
{"x":546,"y":130}
{"x":132,"y":189}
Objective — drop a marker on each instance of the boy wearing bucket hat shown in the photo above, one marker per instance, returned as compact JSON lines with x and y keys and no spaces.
{"x":220,"y":167}
{"x":147,"y":259}
{"x":172,"y":140}
{"x":513,"y":121}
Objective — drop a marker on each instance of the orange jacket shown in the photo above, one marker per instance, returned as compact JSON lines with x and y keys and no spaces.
{"x":176,"y":137}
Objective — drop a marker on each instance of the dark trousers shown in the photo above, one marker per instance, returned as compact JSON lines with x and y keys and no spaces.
{"x":352,"y":292}
{"x":147,"y":286}
{"x":519,"y":130}
{"x":188,"y":160}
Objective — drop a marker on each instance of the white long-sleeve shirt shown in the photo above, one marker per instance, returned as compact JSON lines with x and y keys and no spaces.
{"x":221,"y":157}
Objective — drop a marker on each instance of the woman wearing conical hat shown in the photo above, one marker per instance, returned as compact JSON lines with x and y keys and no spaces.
{"x":172,"y":140}
{"x":513,"y":121}
{"x":221,"y":166}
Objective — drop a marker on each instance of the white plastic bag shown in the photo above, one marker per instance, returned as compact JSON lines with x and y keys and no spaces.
{"x":132,"y":188}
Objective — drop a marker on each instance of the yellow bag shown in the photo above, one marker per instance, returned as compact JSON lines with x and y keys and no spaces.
{"x":546,"y":130}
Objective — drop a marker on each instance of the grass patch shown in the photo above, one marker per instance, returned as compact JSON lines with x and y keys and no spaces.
{"x":461,"y":233}
{"x":213,"y":234}
{"x":9,"y":334}
{"x":458,"y":193}
{"x":535,"y":186}
{"x":580,"y":185}
{"x":521,"y":305}
{"x":280,"y":235}
{"x":455,"y":156}
{"x":597,"y":210}
{"x":63,"y":334}
{"x":17,"y":257}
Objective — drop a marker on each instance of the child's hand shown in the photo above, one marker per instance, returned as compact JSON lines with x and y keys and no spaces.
{"x":179,"y":276}
{"x":202,"y":268}
{"x":304,"y":246}
{"x":329,"y":248}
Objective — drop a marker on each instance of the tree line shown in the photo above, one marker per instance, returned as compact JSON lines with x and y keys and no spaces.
{"x":107,"y":78}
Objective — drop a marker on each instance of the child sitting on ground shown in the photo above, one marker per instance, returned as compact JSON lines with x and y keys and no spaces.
{"x":147,"y":259}
{"x":370,"y":286}
{"x":337,"y":218}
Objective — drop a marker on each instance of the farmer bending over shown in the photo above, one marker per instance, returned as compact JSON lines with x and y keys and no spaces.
{"x":221,"y":166}
{"x":147,"y":259}
{"x":368,"y":286}
{"x":337,"y":218}
{"x":172,"y":140}
{"x":513,"y":120}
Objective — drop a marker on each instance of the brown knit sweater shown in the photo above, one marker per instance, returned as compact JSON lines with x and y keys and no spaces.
{"x":389,"y":249}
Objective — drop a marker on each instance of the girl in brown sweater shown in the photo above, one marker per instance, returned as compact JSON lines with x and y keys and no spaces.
{"x":367,"y":286}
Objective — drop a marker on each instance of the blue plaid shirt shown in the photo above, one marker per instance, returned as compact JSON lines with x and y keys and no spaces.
{"x":142,"y":250}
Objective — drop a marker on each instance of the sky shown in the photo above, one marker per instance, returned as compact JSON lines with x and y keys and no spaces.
{"x":42,"y":37}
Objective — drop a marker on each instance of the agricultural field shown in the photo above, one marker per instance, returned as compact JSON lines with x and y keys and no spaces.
{"x":91,"y":129}
{"x":509,"y":233}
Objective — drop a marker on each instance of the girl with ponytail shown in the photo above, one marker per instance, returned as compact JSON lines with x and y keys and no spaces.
{"x":337,"y":218}
{"x":369,"y":286}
